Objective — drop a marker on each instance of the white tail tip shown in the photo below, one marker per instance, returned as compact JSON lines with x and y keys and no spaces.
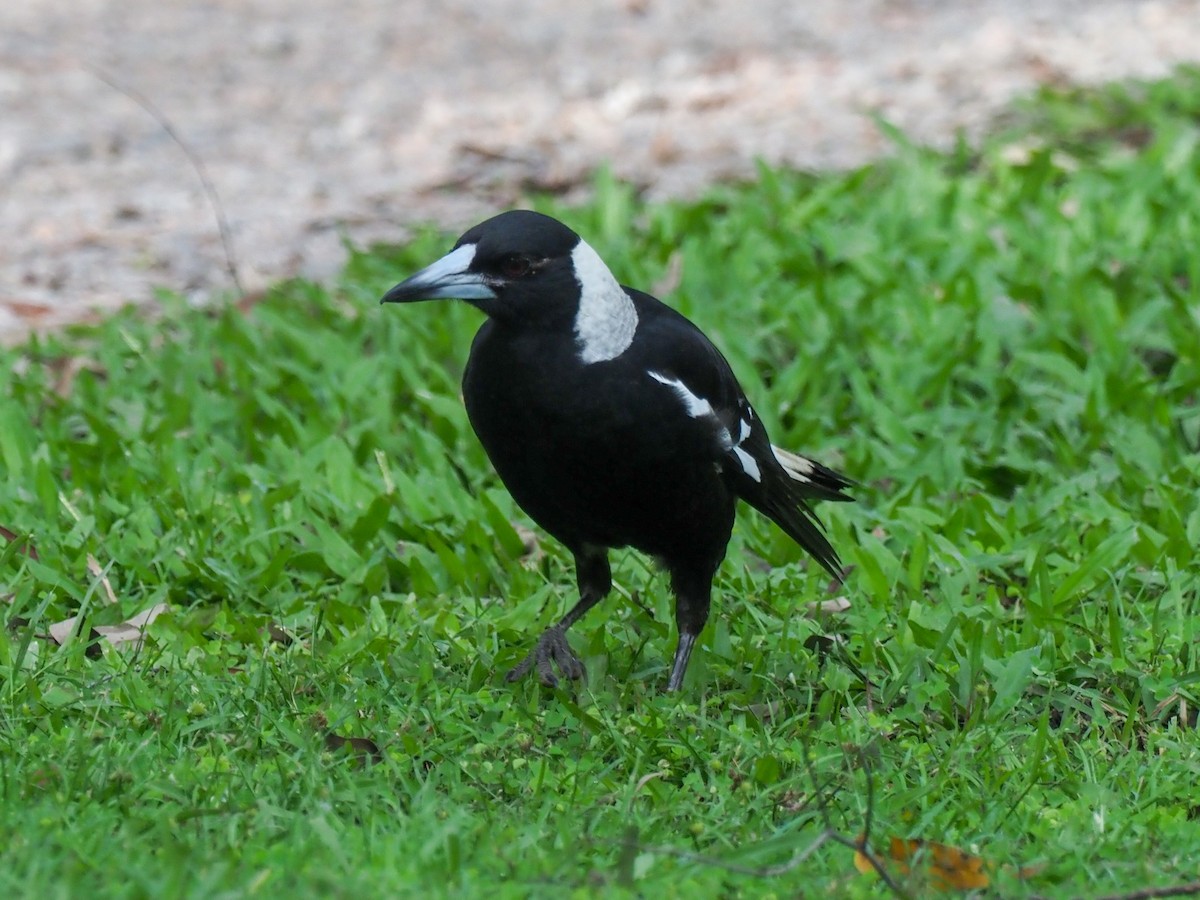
{"x":798,"y":467}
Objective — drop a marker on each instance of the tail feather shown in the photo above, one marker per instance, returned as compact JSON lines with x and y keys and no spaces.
{"x":818,"y":482}
{"x":793,"y":514}
{"x":783,"y":497}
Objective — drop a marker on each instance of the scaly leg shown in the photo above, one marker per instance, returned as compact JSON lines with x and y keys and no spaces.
{"x":692,"y":583}
{"x":595,"y":581}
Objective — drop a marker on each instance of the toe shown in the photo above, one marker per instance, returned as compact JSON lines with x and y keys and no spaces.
{"x":546,"y":671}
{"x":570,"y":664}
{"x":552,"y":650}
{"x":520,"y":670}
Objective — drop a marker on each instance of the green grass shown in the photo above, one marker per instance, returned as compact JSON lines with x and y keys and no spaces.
{"x":1001,"y":344}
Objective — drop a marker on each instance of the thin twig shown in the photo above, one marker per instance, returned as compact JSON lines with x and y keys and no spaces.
{"x":1188,"y":889}
{"x":859,"y":845}
{"x":753,"y":871}
{"x":829,"y":833}
{"x":210,"y":191}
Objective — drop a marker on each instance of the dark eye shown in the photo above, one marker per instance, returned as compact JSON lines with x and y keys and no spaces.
{"x":514,"y":266}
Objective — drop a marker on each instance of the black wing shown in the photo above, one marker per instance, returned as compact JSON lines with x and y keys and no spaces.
{"x":720,"y":422}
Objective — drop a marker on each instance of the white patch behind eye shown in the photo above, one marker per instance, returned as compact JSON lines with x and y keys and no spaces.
{"x":606,"y":320}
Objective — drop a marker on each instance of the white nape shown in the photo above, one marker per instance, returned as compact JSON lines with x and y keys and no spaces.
{"x":606,"y":320}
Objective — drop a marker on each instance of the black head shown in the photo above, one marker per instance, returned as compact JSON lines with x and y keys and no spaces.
{"x":506,"y":265}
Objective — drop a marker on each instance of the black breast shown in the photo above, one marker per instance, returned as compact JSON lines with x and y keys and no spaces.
{"x":578,"y":453}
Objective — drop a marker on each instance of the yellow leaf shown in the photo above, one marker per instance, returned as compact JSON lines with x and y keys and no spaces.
{"x":860,"y":860}
{"x":948,"y":867}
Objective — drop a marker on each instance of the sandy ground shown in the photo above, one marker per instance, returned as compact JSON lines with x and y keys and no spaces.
{"x":319,"y":120}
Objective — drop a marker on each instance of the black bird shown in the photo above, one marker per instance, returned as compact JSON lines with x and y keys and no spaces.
{"x":613,"y":421}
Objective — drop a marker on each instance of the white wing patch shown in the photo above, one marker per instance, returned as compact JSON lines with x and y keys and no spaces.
{"x":749,"y":463}
{"x":699,"y":408}
{"x":606,"y":320}
{"x":745,"y":431}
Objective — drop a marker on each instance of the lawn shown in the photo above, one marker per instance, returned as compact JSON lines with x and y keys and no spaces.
{"x":1001,"y":344}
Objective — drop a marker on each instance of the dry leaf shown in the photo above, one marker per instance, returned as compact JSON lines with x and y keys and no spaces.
{"x":765,"y":712}
{"x":672,"y":277}
{"x":67,"y":369}
{"x":97,"y":572}
{"x":30,"y":312}
{"x":248,"y":301}
{"x":836,"y":605}
{"x":948,"y":867}
{"x":646,"y":779}
{"x":364,"y":750}
{"x":130,"y":631}
{"x":61,"y":631}
{"x":532,"y":553}
{"x":277,"y":634}
{"x":27,"y":548}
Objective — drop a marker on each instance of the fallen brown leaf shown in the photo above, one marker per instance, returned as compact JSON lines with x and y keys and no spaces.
{"x":31,"y":312}
{"x":93,"y":566}
{"x":67,"y":369}
{"x":130,"y":631}
{"x":364,"y":750}
{"x":248,"y":301}
{"x":672,"y":276}
{"x":765,"y":712}
{"x":533,"y":552}
{"x":25,"y":547}
{"x":948,"y":867}
{"x":836,"y":605}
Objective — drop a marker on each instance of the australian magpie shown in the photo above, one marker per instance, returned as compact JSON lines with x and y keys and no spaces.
{"x":613,"y":422}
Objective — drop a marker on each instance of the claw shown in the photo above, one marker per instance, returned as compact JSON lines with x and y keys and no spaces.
{"x":551,"y":649}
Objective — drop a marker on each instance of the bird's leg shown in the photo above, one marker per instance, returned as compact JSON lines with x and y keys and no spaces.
{"x":595,"y":580}
{"x":693,"y":593}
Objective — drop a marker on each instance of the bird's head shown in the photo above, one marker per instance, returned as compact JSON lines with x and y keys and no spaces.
{"x":506,"y":265}
{"x":526,"y":268}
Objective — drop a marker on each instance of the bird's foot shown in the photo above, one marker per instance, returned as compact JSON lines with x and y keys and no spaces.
{"x":552,"y":649}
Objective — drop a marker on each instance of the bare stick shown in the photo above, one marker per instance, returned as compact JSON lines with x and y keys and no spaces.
{"x":827,"y":835}
{"x":1189,"y":889}
{"x":210,"y":192}
{"x":754,"y":872}
{"x":860,"y":845}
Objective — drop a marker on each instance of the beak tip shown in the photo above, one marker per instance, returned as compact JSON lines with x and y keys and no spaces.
{"x":395,"y":295}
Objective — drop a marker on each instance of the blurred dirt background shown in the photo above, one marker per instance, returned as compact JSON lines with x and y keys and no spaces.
{"x":319,"y":120}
